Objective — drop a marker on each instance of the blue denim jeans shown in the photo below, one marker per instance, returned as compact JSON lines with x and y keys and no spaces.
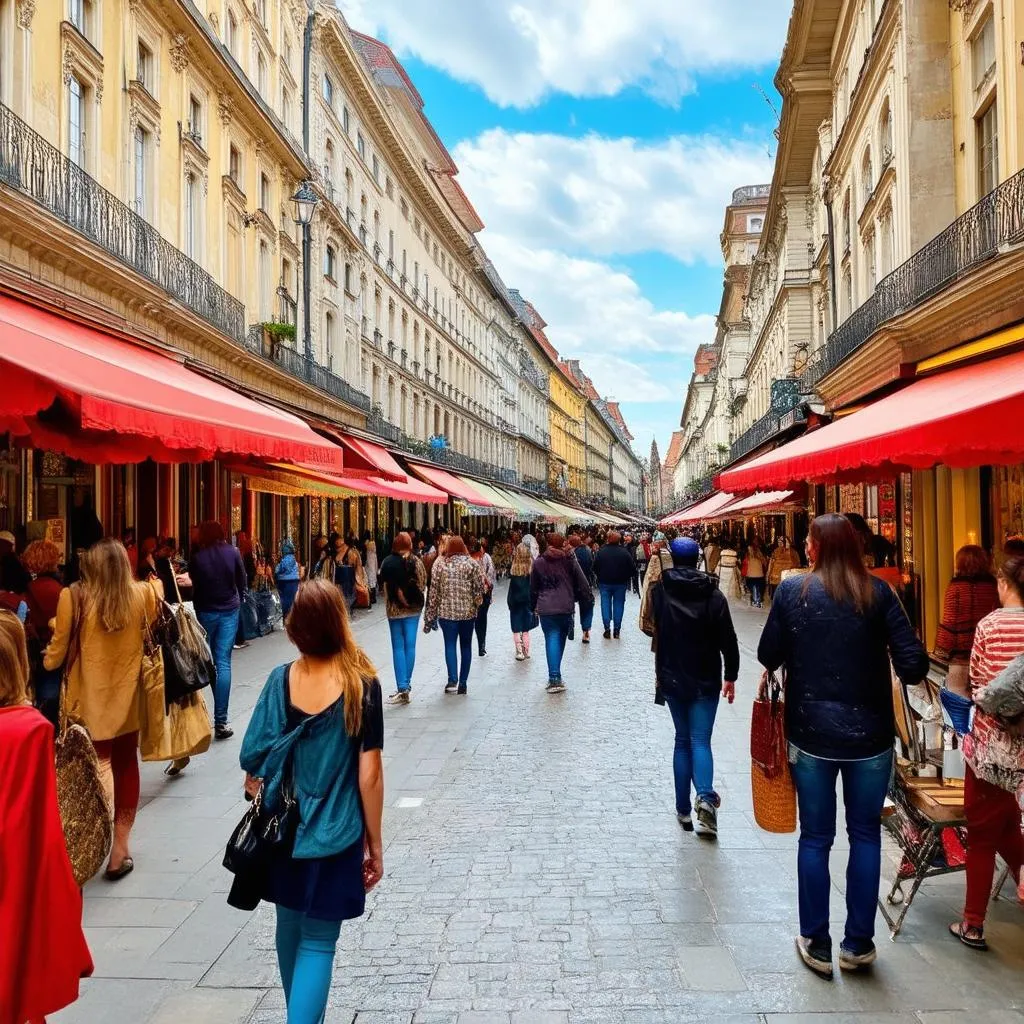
{"x":287,"y":589}
{"x":756,"y":586}
{"x":556,"y":632}
{"x":865,"y":784}
{"x":403,"y":649}
{"x":221,"y":628}
{"x":587,"y":616}
{"x":613,"y":604}
{"x":692,"y":762}
{"x":458,"y":638}
{"x":305,"y":957}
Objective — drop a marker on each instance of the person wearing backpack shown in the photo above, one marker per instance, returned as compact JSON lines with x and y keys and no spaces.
{"x":404,"y":579}
{"x":693,"y":636}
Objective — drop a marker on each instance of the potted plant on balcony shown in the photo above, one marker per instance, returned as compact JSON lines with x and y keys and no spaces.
{"x":274,"y":332}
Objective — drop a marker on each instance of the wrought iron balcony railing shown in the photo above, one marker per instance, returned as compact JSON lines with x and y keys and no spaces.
{"x":971,"y":240}
{"x":33,"y":167}
{"x":785,"y":397}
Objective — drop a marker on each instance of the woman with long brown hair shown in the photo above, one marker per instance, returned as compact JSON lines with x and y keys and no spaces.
{"x":456,"y":592}
{"x":99,"y":638}
{"x":318,"y":729}
{"x":835,"y":631}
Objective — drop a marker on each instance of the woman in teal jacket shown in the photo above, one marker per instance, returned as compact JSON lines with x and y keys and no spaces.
{"x":318,"y":728}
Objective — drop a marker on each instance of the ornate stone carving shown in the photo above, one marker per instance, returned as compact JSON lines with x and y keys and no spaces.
{"x":179,"y":52}
{"x":26,"y":12}
{"x":214,"y":19}
{"x":226,"y":108}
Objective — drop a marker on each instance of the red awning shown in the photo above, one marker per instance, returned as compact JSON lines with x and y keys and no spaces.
{"x":454,"y":485}
{"x":320,"y":482}
{"x":103,"y":399}
{"x":364,"y":458}
{"x":762,"y":501}
{"x":409,"y":489}
{"x":970,"y":416}
{"x":700,"y":511}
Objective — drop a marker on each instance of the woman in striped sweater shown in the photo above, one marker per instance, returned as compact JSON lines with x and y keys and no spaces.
{"x":995,"y":760}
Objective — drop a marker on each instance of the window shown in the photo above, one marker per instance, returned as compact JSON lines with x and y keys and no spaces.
{"x":328,"y":90}
{"x":261,"y":73}
{"x":144,"y":67}
{"x":867,"y":175}
{"x":391,"y":245}
{"x":235,"y":166}
{"x":871,"y":262}
{"x":344,"y":118}
{"x":983,"y":56}
{"x":846,"y":222}
{"x":263,"y":271}
{"x":286,"y":107}
{"x":887,"y":256}
{"x":231,"y":35}
{"x":404,"y":207}
{"x":264,"y":192}
{"x":80,"y":15}
{"x":330,"y":262}
{"x":76,"y":122}
{"x":141,"y":175}
{"x":361,"y":146}
{"x":195,"y":119}
{"x":191,"y":215}
{"x":376,"y":169}
{"x":847,"y":292}
{"x":288,"y":52}
{"x":329,"y":340}
{"x":348,"y":279}
{"x":416,"y":226}
{"x":755,"y":225}
{"x":987,"y":130}
{"x":261,"y":7}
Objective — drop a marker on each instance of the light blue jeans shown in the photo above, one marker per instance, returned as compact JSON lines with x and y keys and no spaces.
{"x":305,"y":957}
{"x":221,"y":630}
{"x":403,"y":649}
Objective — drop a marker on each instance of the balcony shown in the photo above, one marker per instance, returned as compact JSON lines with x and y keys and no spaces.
{"x":298,"y":366}
{"x":785,"y":399}
{"x":751,"y":194}
{"x":31,"y":166}
{"x":971,"y":240}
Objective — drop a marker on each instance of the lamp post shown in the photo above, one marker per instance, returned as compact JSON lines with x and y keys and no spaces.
{"x":305,"y":200}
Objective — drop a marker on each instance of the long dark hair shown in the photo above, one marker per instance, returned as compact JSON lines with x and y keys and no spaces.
{"x":839,"y":563}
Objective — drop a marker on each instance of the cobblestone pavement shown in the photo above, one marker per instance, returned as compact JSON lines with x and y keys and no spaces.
{"x":535,"y":874}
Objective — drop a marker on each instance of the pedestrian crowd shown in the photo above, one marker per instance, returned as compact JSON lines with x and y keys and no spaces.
{"x":83,"y":648}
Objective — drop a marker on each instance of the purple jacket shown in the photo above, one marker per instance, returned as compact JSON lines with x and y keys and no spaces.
{"x":218,"y":578}
{"x":557,"y":583}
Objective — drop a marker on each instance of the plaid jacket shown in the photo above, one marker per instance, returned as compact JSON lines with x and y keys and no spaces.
{"x":456,"y":589}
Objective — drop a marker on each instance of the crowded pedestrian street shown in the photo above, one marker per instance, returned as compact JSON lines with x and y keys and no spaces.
{"x":534,"y":873}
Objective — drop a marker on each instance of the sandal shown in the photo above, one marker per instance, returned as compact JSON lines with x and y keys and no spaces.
{"x":116,"y":874}
{"x":973,"y":938}
{"x":175,"y":768}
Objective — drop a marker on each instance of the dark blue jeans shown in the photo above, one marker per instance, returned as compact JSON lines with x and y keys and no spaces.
{"x":756,"y":585}
{"x":692,"y":761}
{"x":613,"y":604}
{"x":221,"y":628}
{"x":403,"y":649}
{"x":556,"y":632}
{"x":586,"y":616}
{"x":865,"y":784}
{"x":287,"y":589}
{"x":458,"y":637}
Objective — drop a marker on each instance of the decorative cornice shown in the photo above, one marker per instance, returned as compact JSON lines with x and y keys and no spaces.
{"x":226,"y":108}
{"x":179,"y":52}
{"x":78,"y":54}
{"x":26,"y":12}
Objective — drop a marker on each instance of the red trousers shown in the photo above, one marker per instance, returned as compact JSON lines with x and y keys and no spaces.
{"x":993,"y":826}
{"x":120,"y":758}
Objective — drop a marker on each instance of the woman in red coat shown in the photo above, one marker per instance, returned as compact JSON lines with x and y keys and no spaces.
{"x":43,"y":952}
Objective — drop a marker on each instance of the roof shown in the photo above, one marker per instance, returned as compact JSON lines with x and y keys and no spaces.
{"x":705,"y":360}
{"x":535,"y":324}
{"x":675,"y":449}
{"x":616,"y":413}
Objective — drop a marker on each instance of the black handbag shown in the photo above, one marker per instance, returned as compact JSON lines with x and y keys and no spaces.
{"x":262,"y":834}
{"x":188,"y":661}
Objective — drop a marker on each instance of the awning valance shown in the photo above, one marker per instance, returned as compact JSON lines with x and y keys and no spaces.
{"x":365,"y":458}
{"x":702,"y":510}
{"x":456,"y":486}
{"x":526,"y":507}
{"x":100,"y":398}
{"x":970,"y":416}
{"x":308,"y":480}
{"x":754,"y":504}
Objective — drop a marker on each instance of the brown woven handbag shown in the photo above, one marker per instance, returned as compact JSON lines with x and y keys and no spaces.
{"x":771,"y":784}
{"x":81,"y":798}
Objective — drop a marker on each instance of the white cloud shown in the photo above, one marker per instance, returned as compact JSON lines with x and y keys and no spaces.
{"x":608,"y":196}
{"x":519,"y":51}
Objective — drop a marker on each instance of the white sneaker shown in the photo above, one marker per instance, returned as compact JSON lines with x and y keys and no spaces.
{"x":520,"y":656}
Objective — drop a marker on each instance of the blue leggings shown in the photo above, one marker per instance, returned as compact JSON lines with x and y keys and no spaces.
{"x":305,"y":956}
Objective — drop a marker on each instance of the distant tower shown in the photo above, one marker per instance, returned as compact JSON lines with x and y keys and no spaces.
{"x":655,"y":495}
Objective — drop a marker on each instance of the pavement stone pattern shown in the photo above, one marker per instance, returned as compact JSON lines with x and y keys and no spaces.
{"x":535,"y":873}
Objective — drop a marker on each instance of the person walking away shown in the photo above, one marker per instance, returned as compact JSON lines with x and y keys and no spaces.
{"x":483,"y":559}
{"x":520,"y":603}
{"x":581,"y":552}
{"x":836,"y":630}
{"x":614,"y":568}
{"x":629,"y":543}
{"x":98,"y":637}
{"x":661,"y":560}
{"x":754,"y":573}
{"x":557,"y":585}
{"x":531,"y":542}
{"x":43,"y":952}
{"x":41,"y":560}
{"x":370,"y":564}
{"x":456,"y":592}
{"x":712,"y":554}
{"x":994,"y":755}
{"x":728,"y":570}
{"x":783,"y":559}
{"x":319,"y":724}
{"x":643,"y":556}
{"x":693,"y":636}
{"x":970,"y":595}
{"x":404,"y":581}
{"x":219,"y":584}
{"x":287,"y":576}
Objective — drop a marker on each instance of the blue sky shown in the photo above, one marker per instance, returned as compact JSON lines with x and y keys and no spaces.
{"x":600,"y":142}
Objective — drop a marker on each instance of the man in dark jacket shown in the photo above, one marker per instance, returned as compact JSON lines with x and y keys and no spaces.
{"x":614,"y":568}
{"x":693,"y":633}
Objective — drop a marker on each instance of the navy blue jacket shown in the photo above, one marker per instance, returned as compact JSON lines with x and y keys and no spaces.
{"x":218,"y":578}
{"x":839,"y":684}
{"x":613,"y":564}
{"x":586,"y":559}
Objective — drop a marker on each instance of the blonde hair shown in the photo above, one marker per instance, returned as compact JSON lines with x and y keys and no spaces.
{"x":109,"y":584}
{"x":13,"y":661}
{"x":522,"y":561}
{"x":319,"y":626}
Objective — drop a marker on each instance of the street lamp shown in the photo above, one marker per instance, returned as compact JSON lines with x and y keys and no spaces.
{"x":305,"y":200}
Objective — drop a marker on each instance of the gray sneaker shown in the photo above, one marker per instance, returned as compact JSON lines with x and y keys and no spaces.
{"x":556,"y":686}
{"x":686,"y":821}
{"x":850,"y":961}
{"x":707,"y":817}
{"x":399,"y":697}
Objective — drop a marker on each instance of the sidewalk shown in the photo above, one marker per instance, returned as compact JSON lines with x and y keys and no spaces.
{"x":535,"y":874}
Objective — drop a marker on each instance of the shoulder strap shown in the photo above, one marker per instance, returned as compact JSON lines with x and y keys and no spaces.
{"x":73,"y":651}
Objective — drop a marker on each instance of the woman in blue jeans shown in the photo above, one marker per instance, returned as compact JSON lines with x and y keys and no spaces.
{"x":557,"y":584}
{"x":218,"y":589}
{"x":319,"y":723}
{"x":456,"y":592}
{"x":404,"y":581}
{"x":835,"y":630}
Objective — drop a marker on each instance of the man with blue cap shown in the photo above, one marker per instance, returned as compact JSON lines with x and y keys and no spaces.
{"x":693,"y":636}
